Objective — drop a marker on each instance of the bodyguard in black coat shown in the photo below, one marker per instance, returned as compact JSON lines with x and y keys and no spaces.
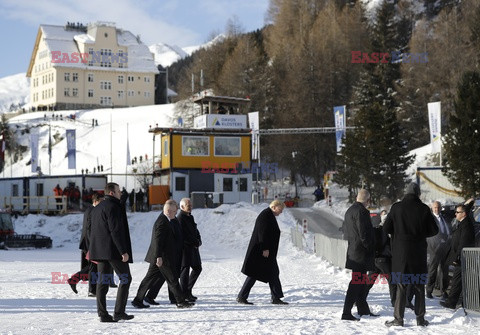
{"x":463,"y":236}
{"x":163,"y":255}
{"x":191,"y":255}
{"x":110,"y":245}
{"x":409,"y":223}
{"x":261,"y":259}
{"x":359,"y":232}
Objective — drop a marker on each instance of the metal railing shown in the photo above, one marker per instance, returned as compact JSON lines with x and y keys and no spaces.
{"x":471,"y":279}
{"x":43,"y":204}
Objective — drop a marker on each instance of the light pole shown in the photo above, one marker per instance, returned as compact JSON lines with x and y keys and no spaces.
{"x":166,"y":83}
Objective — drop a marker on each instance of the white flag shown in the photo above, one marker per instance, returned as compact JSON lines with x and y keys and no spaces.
{"x":435,"y":123}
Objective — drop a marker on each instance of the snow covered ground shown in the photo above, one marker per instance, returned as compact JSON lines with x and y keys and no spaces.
{"x":31,"y":304}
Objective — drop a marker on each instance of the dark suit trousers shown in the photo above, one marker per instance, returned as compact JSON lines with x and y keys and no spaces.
{"x":275,"y":288}
{"x":187,"y":278}
{"x":85,"y":274}
{"x":151,"y":278}
{"x":122,"y":270}
{"x":439,"y":259}
{"x":173,"y":284}
{"x":356,"y":294}
{"x":400,"y":302}
{"x":456,"y":288}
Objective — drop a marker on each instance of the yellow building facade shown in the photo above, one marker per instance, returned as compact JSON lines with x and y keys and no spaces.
{"x":94,"y":66}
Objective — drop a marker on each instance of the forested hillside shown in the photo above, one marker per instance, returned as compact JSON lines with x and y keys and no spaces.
{"x":305,"y":61}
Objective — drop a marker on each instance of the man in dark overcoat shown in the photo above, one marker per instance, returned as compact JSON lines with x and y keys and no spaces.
{"x":163,"y":258}
{"x":261,"y":259}
{"x":111,"y":247}
{"x":191,"y":255}
{"x":409,"y":223}
{"x":87,"y":267}
{"x":360,"y":255}
{"x":463,"y":236}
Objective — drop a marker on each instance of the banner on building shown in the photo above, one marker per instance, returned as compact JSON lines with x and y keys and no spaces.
{"x":71,"y":149}
{"x":340,"y":124}
{"x":434,"y":121}
{"x":254,"y":123}
{"x":34,"y":149}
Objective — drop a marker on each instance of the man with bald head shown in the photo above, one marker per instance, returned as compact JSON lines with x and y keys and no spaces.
{"x":162,"y":256}
{"x":358,"y":230}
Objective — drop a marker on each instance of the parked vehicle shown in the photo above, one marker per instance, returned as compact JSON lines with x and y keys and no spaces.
{"x":9,"y":239}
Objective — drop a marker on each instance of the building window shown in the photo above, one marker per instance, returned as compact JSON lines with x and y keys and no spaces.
{"x":120,"y":65}
{"x":90,"y":93}
{"x":66,"y":76}
{"x":227,"y":184}
{"x":120,"y":79}
{"x":121,"y":94}
{"x":39,"y":189}
{"x":146,"y":94}
{"x":90,"y":77}
{"x":105,"y":85}
{"x":75,"y":92}
{"x":146,"y":79}
{"x":15,"y":190}
{"x":180,"y":184}
{"x":131,"y":78}
{"x":243,"y":184}
{"x":75,"y":77}
{"x":66,"y":92}
{"x":195,"y":146}
{"x":165,"y":148}
{"x":131,"y":93}
{"x":106,"y":101}
{"x":227,"y":146}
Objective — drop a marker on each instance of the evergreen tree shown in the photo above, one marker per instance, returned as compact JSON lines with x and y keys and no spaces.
{"x":462,"y":141}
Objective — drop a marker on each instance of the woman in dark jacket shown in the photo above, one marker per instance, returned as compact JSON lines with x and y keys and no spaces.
{"x":261,"y":258}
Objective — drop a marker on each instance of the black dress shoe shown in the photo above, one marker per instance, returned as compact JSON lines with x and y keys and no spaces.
{"x":422,"y":323}
{"x":369,"y":314}
{"x":113,"y":285}
{"x":429,"y":295}
{"x":73,"y":285}
{"x":150,"y":301}
{"x":411,"y":306}
{"x":107,"y":318}
{"x":447,"y":305}
{"x":244,"y":301}
{"x":393,"y":323}
{"x":349,"y":317}
{"x":123,"y":316}
{"x":191,"y":298}
{"x":185,"y":304}
{"x":139,"y":304}
{"x":91,"y":294}
{"x":279,"y":302}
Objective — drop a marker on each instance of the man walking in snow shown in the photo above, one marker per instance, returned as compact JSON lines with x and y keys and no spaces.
{"x":360,"y":255}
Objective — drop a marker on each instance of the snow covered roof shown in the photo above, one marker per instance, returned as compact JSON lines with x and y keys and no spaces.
{"x":65,"y":39}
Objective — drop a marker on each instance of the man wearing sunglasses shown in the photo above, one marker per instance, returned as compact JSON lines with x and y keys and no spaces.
{"x":463,"y":236}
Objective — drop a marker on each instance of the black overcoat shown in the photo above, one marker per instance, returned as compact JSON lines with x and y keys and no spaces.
{"x":191,"y":237}
{"x":409,"y":223}
{"x":462,"y":237}
{"x":265,"y":236}
{"x":359,"y":231}
{"x":87,"y":221}
{"x":109,"y":233}
{"x":164,"y":244}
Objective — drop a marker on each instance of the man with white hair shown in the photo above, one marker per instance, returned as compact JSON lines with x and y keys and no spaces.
{"x":360,"y":255}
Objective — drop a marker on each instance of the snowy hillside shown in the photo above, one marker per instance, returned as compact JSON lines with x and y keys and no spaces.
{"x":93,"y":144}
{"x":14,"y":90}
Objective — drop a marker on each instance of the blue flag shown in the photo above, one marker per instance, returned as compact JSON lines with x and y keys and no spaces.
{"x":339,"y":113}
{"x":71,"y":149}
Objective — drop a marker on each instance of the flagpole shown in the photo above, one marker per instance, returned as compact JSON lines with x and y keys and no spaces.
{"x":49,"y":150}
{"x":111,"y":156}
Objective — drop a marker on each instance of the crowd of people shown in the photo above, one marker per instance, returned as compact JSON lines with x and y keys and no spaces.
{"x":412,"y":249}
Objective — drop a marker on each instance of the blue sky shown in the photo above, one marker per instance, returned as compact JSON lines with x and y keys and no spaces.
{"x":177,"y":22}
